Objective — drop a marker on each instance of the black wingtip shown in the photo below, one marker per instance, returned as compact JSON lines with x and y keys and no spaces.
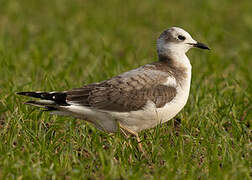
{"x":30,"y":94}
{"x":57,"y":97}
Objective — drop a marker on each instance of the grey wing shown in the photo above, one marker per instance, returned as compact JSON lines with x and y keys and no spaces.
{"x":129,"y":91}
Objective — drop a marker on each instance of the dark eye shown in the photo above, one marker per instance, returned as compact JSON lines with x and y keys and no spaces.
{"x":181,"y":37}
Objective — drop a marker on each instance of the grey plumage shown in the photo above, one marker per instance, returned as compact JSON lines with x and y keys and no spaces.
{"x":129,"y":91}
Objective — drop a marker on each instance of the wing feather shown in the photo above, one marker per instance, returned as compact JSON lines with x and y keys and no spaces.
{"x":129,"y":91}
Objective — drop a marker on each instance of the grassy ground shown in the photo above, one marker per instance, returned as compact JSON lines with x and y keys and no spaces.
{"x":56,"y":45}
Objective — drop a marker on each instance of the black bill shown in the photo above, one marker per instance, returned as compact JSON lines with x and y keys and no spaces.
{"x":201,"y":46}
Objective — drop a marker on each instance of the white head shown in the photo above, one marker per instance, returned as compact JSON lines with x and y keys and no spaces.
{"x":176,"y":42}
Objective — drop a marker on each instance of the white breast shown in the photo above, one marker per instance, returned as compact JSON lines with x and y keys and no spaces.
{"x":172,"y":108}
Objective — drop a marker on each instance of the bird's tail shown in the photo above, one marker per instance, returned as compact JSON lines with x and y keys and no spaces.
{"x":50,"y":101}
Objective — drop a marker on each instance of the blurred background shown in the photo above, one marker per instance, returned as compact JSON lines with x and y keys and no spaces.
{"x":66,"y":37}
{"x":61,"y":44}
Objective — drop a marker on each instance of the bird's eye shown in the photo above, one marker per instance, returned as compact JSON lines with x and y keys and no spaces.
{"x":180,"y":37}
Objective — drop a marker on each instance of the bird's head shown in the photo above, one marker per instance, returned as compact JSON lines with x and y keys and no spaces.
{"x":176,"y":40}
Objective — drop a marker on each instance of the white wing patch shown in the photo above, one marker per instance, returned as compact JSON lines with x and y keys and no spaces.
{"x":171,"y":81}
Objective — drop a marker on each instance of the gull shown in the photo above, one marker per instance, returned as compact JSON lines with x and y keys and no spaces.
{"x":135,"y":100}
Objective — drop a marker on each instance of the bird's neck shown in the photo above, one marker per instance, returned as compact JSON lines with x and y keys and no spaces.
{"x":175,"y":60}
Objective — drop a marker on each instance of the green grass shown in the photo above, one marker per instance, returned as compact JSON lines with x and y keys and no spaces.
{"x":61,"y":44}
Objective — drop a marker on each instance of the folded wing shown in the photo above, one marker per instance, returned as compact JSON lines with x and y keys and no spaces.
{"x":129,"y":91}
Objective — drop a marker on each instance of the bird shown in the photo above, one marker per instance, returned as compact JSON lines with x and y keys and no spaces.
{"x":133,"y":101}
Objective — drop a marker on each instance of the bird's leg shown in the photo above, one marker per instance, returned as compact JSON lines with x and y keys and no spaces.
{"x":123,"y":129}
{"x":124,"y":133}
